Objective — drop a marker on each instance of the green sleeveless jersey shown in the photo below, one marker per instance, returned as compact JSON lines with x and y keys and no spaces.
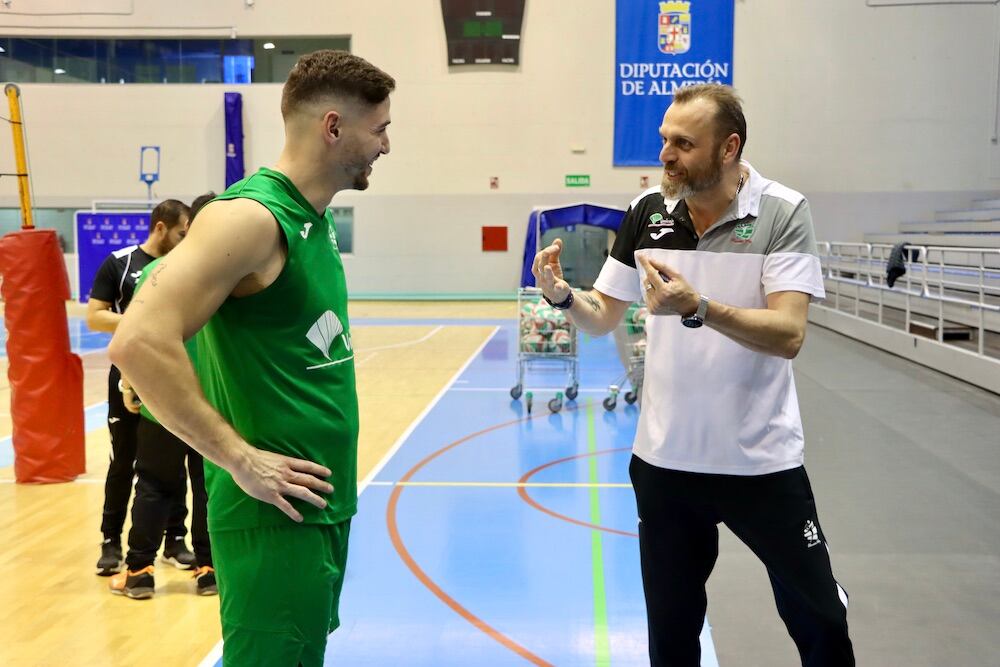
{"x":278,"y":365}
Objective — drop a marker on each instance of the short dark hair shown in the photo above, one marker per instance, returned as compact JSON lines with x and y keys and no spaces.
{"x":729,"y":117}
{"x":330,"y":72}
{"x":169,"y":212}
{"x":200,"y":201}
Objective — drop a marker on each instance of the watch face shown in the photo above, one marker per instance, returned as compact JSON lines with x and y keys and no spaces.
{"x":692,"y":322}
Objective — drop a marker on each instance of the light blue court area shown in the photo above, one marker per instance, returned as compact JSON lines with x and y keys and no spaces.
{"x":494,"y":538}
{"x":81,"y":339}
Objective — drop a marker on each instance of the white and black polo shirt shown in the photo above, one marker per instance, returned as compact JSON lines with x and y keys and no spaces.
{"x":115,"y":280}
{"x":709,"y":404}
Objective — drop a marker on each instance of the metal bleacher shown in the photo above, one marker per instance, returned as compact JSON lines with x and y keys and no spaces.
{"x":944,"y":312}
{"x":978,"y":227}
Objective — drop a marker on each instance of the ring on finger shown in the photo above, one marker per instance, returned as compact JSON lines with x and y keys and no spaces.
{"x":649,"y":286}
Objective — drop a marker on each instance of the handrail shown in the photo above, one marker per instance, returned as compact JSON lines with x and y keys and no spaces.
{"x":927,"y":277}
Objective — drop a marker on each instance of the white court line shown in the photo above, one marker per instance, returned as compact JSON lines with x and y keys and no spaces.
{"x":426,"y":337}
{"x":511,"y":485}
{"x":216,"y":653}
{"x":213,"y":656}
{"x":483,"y":485}
{"x":506,"y":390}
{"x":416,"y":422}
{"x":375,"y":350}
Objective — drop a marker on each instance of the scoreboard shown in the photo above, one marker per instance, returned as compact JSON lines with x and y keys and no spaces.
{"x":483,"y":32}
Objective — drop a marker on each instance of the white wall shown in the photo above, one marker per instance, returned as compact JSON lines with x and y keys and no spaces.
{"x":877,"y":114}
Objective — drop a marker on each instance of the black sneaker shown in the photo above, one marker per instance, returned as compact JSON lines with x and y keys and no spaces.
{"x":137,"y":585}
{"x":111,"y":559}
{"x":205,"y":579}
{"x":177,"y":554}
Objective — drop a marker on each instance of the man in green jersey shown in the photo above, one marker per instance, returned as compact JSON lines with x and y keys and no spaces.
{"x":273,"y":406}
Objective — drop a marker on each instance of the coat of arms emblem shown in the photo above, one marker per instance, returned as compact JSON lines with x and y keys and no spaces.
{"x":743,"y":232}
{"x":674,"y":36}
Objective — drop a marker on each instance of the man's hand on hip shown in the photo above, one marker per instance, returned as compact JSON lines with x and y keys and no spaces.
{"x":270,"y":477}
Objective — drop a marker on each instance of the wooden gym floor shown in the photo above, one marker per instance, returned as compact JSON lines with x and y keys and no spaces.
{"x":55,"y":611}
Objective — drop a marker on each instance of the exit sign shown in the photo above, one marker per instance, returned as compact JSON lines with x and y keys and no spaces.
{"x":577,"y":180}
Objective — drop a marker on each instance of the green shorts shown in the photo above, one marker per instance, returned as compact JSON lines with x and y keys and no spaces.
{"x":279,"y":591}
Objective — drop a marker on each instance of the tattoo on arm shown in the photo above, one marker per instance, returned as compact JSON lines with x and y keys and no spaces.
{"x":157,"y":271}
{"x":594,"y":303}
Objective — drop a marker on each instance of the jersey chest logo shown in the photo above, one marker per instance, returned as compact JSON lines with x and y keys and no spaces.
{"x":660,"y":226}
{"x":305,"y":230}
{"x":324,"y":333}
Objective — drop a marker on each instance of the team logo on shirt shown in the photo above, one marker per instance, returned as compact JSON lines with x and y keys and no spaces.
{"x":660,"y":226}
{"x":743,"y":232}
{"x":304,"y":233}
{"x":324,"y":333}
{"x":674,"y":34}
{"x":811,"y":533}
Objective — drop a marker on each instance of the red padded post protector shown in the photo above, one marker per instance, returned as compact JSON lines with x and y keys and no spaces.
{"x":46,"y":379}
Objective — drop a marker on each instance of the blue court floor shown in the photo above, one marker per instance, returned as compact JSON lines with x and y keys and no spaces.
{"x":492,"y":537}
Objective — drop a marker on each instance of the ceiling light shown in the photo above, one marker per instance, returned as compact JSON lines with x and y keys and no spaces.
{"x":59,"y":70}
{"x":3,"y":50}
{"x":268,"y":45}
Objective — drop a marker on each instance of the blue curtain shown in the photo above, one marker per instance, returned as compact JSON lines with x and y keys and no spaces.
{"x":234,"y":138}
{"x":541,"y":221}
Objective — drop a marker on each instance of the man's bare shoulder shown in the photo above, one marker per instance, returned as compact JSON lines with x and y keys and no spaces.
{"x":237,"y":226}
{"x":243,"y":212}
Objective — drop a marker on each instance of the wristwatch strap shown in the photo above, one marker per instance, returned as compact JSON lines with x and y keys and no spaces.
{"x":697,"y":318}
{"x":565,"y":304}
{"x":702,"y":307}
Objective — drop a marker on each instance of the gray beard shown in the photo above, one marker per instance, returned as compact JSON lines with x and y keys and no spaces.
{"x":679,"y":191}
{"x":689,"y":188}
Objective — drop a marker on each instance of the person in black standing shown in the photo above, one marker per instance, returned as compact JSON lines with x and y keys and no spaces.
{"x":109,"y":297}
{"x":159,"y":470}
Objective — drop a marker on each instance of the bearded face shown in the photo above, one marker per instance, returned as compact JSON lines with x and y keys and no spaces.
{"x":686,"y":178}
{"x":365,"y":139}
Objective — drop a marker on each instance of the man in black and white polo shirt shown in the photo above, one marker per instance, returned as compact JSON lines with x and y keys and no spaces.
{"x":110,"y":295}
{"x":726,"y":261}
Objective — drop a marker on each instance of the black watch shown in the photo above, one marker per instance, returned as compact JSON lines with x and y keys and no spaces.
{"x":697,"y":318}
{"x":565,"y":304}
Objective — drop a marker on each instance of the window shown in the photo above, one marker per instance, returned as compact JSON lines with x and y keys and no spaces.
{"x":161,"y":60}
{"x":59,"y":219}
{"x":343,"y":219}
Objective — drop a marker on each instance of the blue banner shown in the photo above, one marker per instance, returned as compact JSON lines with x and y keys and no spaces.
{"x":662,"y":46}
{"x":102,"y":233}
{"x":234,"y":138}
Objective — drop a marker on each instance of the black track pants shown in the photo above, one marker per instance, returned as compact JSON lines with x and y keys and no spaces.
{"x":774,"y":515}
{"x":122,"y":425}
{"x":160,"y":468}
